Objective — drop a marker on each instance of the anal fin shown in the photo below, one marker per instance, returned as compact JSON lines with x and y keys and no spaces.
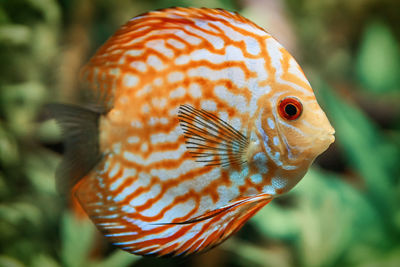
{"x":219,"y":224}
{"x":132,"y":232}
{"x":231,"y":207}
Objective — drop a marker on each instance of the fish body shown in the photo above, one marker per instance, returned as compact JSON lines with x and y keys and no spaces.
{"x":204,"y":119}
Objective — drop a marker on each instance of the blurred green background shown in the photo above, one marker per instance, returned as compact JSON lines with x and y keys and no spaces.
{"x":345,"y":212}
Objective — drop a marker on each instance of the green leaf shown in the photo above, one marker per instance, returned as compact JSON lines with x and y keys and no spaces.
{"x":378,"y":60}
{"x":390,"y":258}
{"x":17,"y":212}
{"x":8,"y":148}
{"x":15,"y":34}
{"x":49,"y":132}
{"x":40,"y":168}
{"x":42,"y":260}
{"x":247,"y":254}
{"x":77,"y":240}
{"x":366,"y":149}
{"x":332,"y":217}
{"x":327,"y":218}
{"x":50,"y":10}
{"x":21,"y":103}
{"x":9,"y":262}
{"x":3,"y":187}
{"x":276,"y":222}
{"x":119,"y":258}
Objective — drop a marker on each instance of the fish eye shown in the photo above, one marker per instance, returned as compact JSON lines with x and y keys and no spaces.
{"x":290,"y":108}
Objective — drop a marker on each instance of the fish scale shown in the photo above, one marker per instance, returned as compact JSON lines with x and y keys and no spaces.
{"x":190,"y":138}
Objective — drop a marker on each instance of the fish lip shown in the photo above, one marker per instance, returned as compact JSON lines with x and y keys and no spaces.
{"x":329,"y":137}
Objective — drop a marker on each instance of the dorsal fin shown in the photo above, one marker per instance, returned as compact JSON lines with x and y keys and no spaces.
{"x":81,"y":142}
{"x":210,"y":139}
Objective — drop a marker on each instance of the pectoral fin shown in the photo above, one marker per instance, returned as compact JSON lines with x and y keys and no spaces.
{"x":211,"y":140}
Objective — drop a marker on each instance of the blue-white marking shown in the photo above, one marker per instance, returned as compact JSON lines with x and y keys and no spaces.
{"x":256,"y":178}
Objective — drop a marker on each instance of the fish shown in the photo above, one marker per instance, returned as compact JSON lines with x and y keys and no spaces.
{"x":197,"y":118}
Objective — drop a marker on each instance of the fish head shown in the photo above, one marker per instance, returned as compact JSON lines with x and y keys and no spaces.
{"x":293,"y":128}
{"x":302,"y":131}
{"x":304,"y":138}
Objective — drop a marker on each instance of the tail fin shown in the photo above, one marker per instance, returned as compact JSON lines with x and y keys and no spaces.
{"x":80,"y":129}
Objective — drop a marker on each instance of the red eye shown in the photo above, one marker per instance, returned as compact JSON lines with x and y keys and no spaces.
{"x":290,"y":108}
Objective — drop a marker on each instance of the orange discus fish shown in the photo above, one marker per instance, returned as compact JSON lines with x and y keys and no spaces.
{"x":199,"y":119}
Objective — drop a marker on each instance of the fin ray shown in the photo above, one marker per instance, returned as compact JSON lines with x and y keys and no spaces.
{"x":81,"y":142}
{"x":232,"y":206}
{"x":211,"y":140}
{"x":134,"y":233}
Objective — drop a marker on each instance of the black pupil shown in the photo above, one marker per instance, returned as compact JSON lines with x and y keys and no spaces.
{"x":290,"y":109}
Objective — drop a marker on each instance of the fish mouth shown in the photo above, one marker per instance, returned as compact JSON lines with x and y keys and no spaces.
{"x":331,"y":138}
{"x":331,"y":135}
{"x":326,"y":138}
